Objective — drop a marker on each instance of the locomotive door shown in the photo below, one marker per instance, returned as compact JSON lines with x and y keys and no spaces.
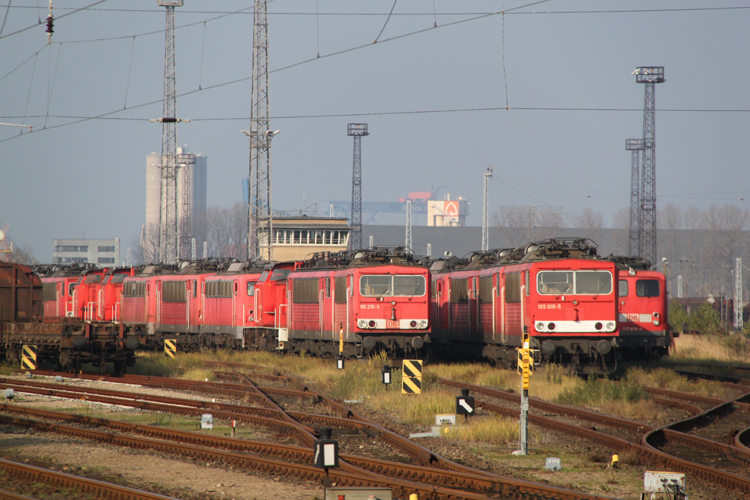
{"x":59,"y":298}
{"x":473,"y":308}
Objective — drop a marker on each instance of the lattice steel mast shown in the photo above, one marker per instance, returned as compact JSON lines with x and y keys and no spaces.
{"x":357,"y":130}
{"x":650,"y":76}
{"x":485,"y":213}
{"x":168,"y":224}
{"x":260,"y":216}
{"x":634,"y":237}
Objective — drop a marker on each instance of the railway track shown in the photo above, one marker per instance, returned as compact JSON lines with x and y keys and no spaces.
{"x":103,"y":490}
{"x":439,"y":479}
{"x":649,"y":447}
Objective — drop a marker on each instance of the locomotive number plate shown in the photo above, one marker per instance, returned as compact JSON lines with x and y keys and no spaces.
{"x":549,"y":306}
{"x":369,"y":306}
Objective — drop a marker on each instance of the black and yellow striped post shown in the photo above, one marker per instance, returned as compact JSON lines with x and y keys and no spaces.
{"x":28,"y":357}
{"x":170,"y":348}
{"x":411,"y":376}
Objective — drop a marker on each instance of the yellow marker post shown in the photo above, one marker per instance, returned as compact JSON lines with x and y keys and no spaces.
{"x":170,"y":348}
{"x":411,"y":376}
{"x":29,"y":357}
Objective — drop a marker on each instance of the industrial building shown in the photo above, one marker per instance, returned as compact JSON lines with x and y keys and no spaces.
{"x":81,"y":250}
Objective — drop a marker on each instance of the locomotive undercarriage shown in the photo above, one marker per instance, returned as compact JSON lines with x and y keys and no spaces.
{"x":68,"y":344}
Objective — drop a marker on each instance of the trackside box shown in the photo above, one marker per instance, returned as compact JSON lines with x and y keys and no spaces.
{"x":658,"y":482}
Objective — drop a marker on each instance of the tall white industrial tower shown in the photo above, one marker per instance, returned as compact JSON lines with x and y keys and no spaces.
{"x":168,"y":225}
{"x":260,"y":208}
{"x":408,"y":239}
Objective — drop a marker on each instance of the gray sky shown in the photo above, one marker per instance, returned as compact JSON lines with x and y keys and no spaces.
{"x":434,"y":99}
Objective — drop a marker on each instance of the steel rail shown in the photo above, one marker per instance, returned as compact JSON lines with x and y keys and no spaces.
{"x":102,"y":489}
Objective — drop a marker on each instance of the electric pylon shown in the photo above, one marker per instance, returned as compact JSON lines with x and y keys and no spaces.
{"x":260,"y":209}
{"x":738,"y":319}
{"x":168,"y":224}
{"x":356,"y":130}
{"x":634,"y":237}
{"x":650,"y":76}
{"x":485,"y":213}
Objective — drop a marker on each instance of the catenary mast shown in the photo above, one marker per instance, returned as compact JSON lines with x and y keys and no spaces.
{"x":650,"y":76}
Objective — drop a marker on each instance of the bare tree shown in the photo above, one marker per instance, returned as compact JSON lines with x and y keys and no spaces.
{"x":519,"y":225}
{"x":227,"y":231}
{"x":21,"y":254}
{"x":621,"y":226}
{"x":590,"y":222}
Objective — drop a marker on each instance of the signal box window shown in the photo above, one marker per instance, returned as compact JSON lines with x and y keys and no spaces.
{"x":647,"y":288}
{"x":622,"y":288}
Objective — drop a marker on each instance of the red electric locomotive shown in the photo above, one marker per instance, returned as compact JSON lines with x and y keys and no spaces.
{"x":59,"y":282}
{"x":558,"y":291}
{"x":643,"y":310}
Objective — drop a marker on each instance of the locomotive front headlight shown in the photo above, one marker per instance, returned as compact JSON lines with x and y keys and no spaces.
{"x":539,"y":326}
{"x":423,"y":323}
{"x":362,"y":323}
{"x":611,"y":326}
{"x":657,"y":322}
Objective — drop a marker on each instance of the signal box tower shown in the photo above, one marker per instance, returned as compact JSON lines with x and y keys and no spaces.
{"x":650,"y":76}
{"x":634,"y":238}
{"x":357,"y":130}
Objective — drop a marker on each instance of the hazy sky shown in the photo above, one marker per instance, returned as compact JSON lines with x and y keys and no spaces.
{"x":434,"y":99}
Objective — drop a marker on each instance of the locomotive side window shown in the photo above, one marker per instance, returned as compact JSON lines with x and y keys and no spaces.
{"x":513,"y":288}
{"x":134,"y":289}
{"x":622,"y":288}
{"x":485,"y":289}
{"x":118,"y":278}
{"x":49,"y":291}
{"x":250,"y":288}
{"x":647,"y":288}
{"x":554,"y":282}
{"x":593,"y":282}
{"x":460,"y":291}
{"x":305,"y":291}
{"x":328,"y":287}
{"x":173,"y":291}
{"x":218,"y":289}
{"x":433,"y":289}
{"x":280,"y":274}
{"x":340,"y":290}
{"x":392,"y":286}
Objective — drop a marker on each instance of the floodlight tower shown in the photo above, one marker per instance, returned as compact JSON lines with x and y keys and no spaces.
{"x":260,"y":209}
{"x":650,"y":76}
{"x":634,"y":238}
{"x":485,"y":213}
{"x":357,"y":130}
{"x":168,"y":224}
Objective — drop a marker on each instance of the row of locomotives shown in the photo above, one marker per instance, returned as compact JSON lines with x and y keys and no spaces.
{"x":558,"y":291}
{"x":643,"y":309}
{"x":61,"y":337}
{"x":196,"y":305}
{"x":349,"y":304}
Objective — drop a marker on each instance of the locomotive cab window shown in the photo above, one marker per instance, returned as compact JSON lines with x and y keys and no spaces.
{"x":250,"y":288}
{"x":93,"y":278}
{"x":622,"y":288}
{"x":280,"y":274}
{"x":574,"y":282}
{"x":392,"y":286}
{"x":647,"y":288}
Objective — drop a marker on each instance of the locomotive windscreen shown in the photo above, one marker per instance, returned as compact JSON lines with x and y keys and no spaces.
{"x":574,"y":282}
{"x":392,"y":286}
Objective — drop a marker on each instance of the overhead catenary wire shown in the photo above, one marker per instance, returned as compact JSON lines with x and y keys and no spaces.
{"x":57,"y":18}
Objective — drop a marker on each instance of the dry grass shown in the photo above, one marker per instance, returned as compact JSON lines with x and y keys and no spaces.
{"x":491,"y":429}
{"x":732,"y":348}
